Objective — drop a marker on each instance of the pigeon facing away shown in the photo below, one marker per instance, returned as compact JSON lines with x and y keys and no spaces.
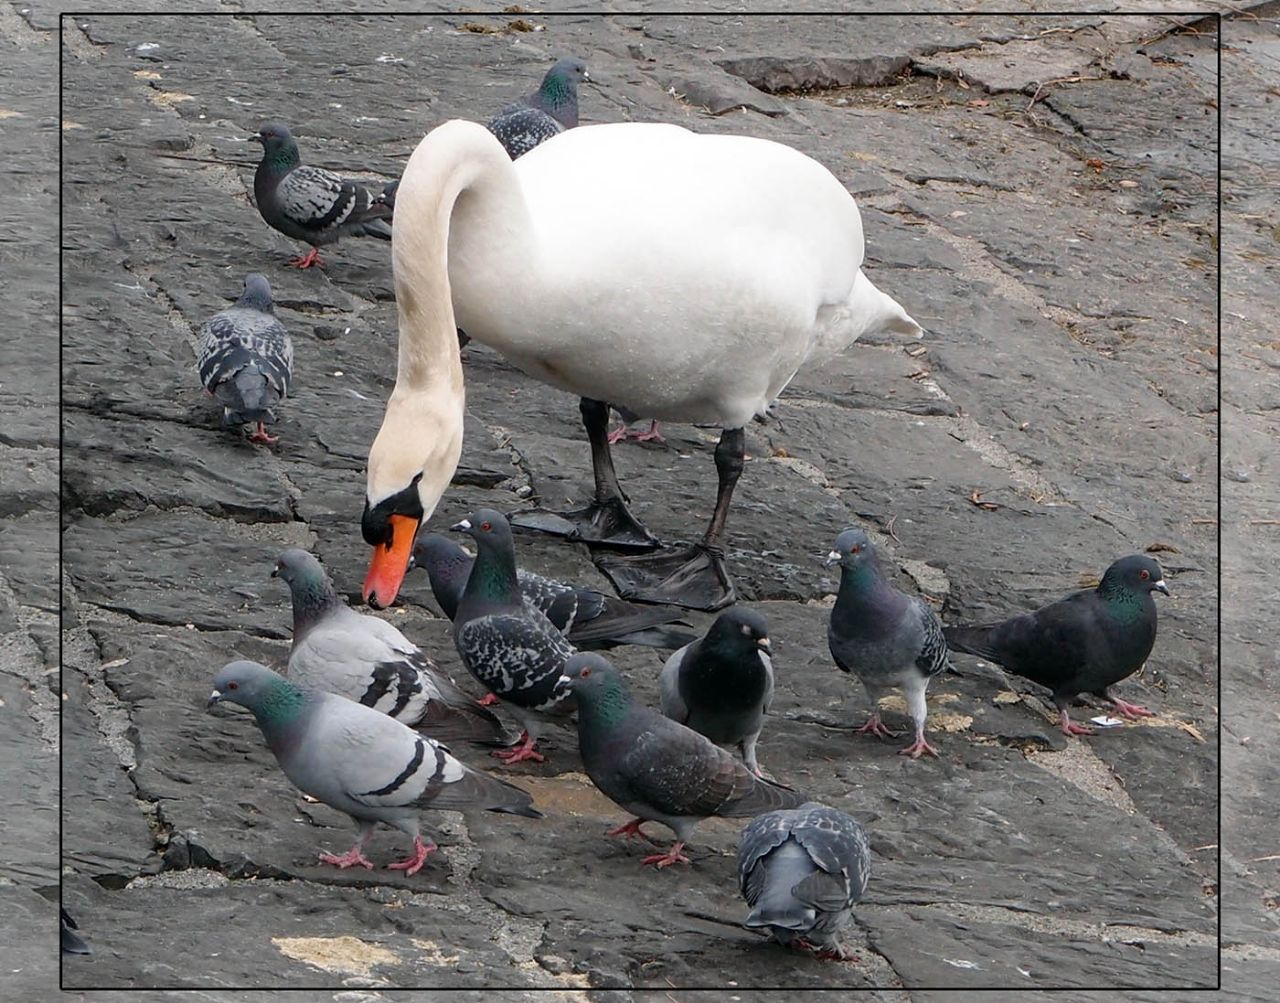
{"x":72,"y":943}
{"x":1084,"y":643}
{"x":589,"y":619}
{"x":509,"y":646}
{"x":884,"y":636}
{"x":364,"y":658}
{"x":546,"y":112}
{"x":310,"y":203}
{"x":657,"y":769}
{"x":361,"y":762}
{"x":245,"y":359}
{"x":721,"y":685}
{"x":801,"y":872}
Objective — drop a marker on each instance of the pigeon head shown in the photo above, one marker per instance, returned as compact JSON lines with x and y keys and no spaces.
{"x":488,"y":527}
{"x":853,"y":550}
{"x":1135,"y":573}
{"x":438,"y":554}
{"x":561,"y":82}
{"x":250,"y":685}
{"x":739,"y":630}
{"x":276,"y":139}
{"x":300,"y":570}
{"x":595,"y":683}
{"x":257,"y":293}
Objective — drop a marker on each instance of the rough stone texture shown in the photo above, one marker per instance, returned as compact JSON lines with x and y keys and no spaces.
{"x":1061,"y":251}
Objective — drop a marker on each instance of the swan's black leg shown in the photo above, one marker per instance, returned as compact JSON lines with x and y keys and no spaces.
{"x":606,"y":520}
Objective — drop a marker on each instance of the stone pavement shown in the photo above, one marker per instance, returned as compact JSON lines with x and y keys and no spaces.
{"x":1039,"y":192}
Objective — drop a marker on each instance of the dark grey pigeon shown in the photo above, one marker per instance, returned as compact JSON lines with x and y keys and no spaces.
{"x":364,"y":658}
{"x":589,"y":619}
{"x":801,"y":872}
{"x":72,"y":942}
{"x":511,"y":648}
{"x":721,"y":685}
{"x":657,"y":769}
{"x":310,"y":203}
{"x":546,"y":112}
{"x":1084,"y":643}
{"x":884,"y":636}
{"x":360,"y":761}
{"x":245,"y":359}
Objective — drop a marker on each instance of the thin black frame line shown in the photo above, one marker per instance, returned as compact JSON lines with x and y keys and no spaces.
{"x":1218,"y":481}
{"x":62,"y":625}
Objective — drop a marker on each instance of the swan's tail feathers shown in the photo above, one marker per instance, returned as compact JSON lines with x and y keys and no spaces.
{"x":880,"y":312}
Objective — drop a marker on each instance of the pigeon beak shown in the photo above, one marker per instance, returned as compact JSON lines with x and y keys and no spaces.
{"x":390,"y":562}
{"x":764,"y":645}
{"x":1160,"y":586}
{"x":214,"y":698}
{"x":461,"y":527}
{"x":565,"y":681}
{"x":832,"y":558}
{"x":275,"y":572}
{"x":586,"y":76}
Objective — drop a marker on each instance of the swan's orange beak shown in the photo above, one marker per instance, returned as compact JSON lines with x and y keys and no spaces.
{"x":390,"y":562}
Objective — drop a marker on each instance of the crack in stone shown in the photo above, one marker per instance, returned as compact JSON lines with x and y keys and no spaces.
{"x":209,"y":628}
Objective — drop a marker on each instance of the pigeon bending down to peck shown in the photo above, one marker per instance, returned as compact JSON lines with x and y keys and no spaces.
{"x":360,"y":761}
{"x":1084,"y":643}
{"x":656,"y":768}
{"x":722,"y":684}
{"x":547,"y":112}
{"x":884,"y":636}
{"x":309,"y":203}
{"x":245,"y":359}
{"x":801,"y":872}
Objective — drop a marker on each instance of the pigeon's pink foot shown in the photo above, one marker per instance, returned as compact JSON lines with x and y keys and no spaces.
{"x":259,"y":434}
{"x":488,"y":700}
{"x":617,"y":435}
{"x":309,"y":260}
{"x":412,"y":865}
{"x":653,"y":435}
{"x":672,"y":856}
{"x":1069,"y":727}
{"x":521,"y":752}
{"x":875,"y":726}
{"x":351,"y":858}
{"x":1130,"y":711}
{"x":632,"y":828}
{"x":823,"y":953}
{"x":919,"y":748}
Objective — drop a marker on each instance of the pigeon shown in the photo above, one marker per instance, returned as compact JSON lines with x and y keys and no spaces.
{"x":546,"y":112}
{"x":721,"y":685}
{"x":623,"y":432}
{"x":1084,"y":643}
{"x":310,"y":203}
{"x":72,"y":943}
{"x":245,"y":359}
{"x":658,"y":769}
{"x":884,"y":636}
{"x":508,"y":645}
{"x":589,"y":619}
{"x":801,"y":872}
{"x":361,"y":762}
{"x":366,"y":659}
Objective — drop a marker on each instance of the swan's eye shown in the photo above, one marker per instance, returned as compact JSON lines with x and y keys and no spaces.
{"x":1144,"y":574}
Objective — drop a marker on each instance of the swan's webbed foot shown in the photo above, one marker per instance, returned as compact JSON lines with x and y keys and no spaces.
{"x":693,"y":577}
{"x":605,"y":523}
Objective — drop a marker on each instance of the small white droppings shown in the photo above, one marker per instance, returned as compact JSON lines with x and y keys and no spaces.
{"x":337,"y":372}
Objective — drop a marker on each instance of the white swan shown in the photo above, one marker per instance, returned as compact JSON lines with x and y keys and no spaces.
{"x":684,"y":276}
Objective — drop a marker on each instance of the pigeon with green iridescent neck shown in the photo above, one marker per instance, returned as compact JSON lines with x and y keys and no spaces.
{"x":309,"y":203}
{"x":546,"y":112}
{"x":883,"y":636}
{"x":1084,"y":643}
{"x":364,"y":658}
{"x":361,"y":762}
{"x":656,"y":768}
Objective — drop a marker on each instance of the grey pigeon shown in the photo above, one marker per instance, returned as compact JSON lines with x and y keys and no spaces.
{"x":721,"y":685}
{"x":546,"y":112}
{"x":245,"y":359}
{"x":366,"y":659}
{"x":510,"y":647}
{"x":361,"y":762}
{"x":1084,"y":643}
{"x":588,"y":618}
{"x":657,"y":769}
{"x":801,"y":872}
{"x":884,"y":636}
{"x":72,"y":942}
{"x":310,"y":203}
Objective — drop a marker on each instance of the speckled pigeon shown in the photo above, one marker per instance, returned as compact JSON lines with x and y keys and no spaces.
{"x":72,"y":942}
{"x":361,"y":762}
{"x":657,"y":769}
{"x":589,"y":619}
{"x":1083,"y":643}
{"x":509,"y":646}
{"x":245,"y":359}
{"x":722,"y":684}
{"x":366,"y":659}
{"x":801,"y":872}
{"x":546,"y":112}
{"x":884,"y":636}
{"x":310,"y":203}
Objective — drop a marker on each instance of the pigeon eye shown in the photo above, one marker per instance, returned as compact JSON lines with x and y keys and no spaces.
{"x":1144,"y":574}
{"x":486,"y":526}
{"x":856,"y":548}
{"x":233,"y":686}
{"x":584,"y":673}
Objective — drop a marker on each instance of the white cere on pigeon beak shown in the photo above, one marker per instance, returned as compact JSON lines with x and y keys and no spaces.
{"x":1163,"y":587}
{"x":465,"y":524}
{"x":764,"y":645}
{"x":565,"y":681}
